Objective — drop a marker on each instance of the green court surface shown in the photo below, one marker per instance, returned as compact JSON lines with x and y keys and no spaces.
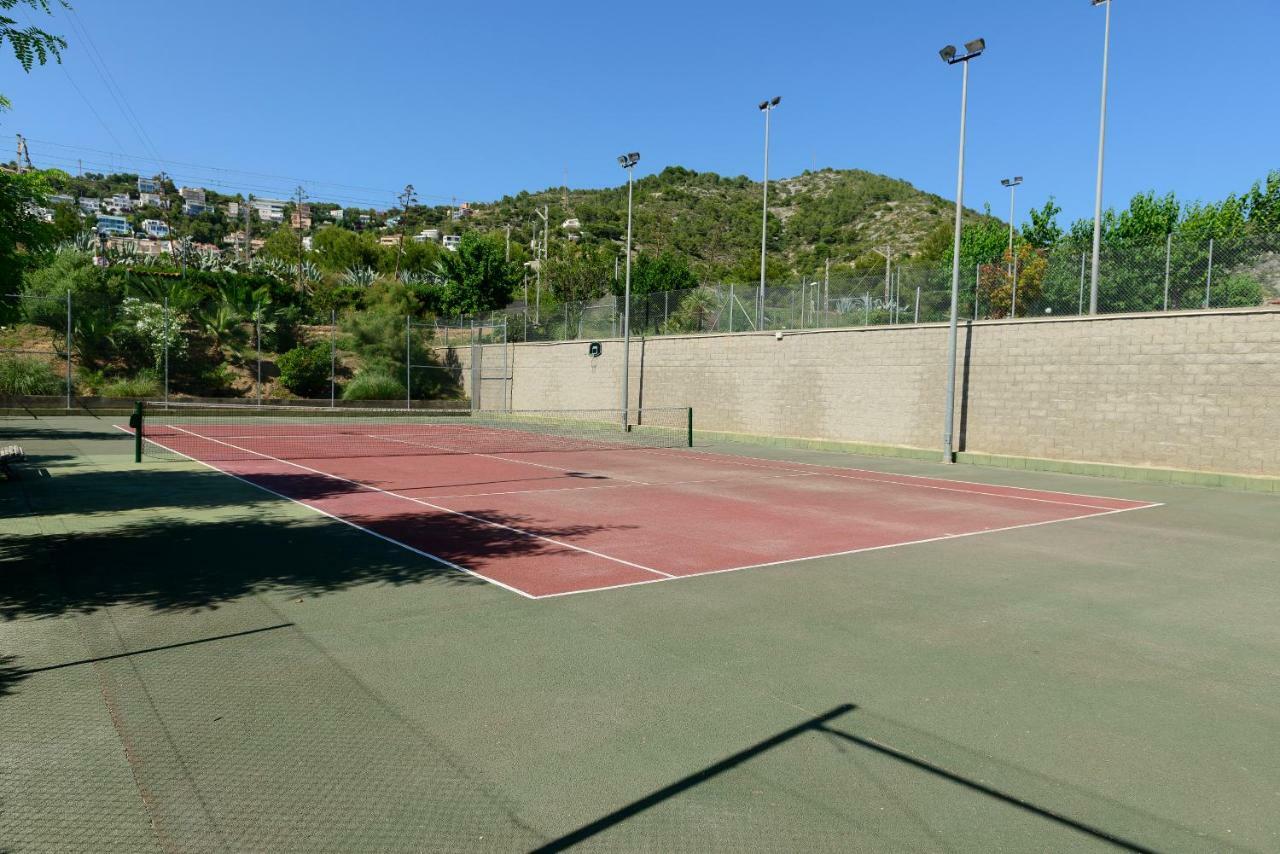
{"x":188,"y":663}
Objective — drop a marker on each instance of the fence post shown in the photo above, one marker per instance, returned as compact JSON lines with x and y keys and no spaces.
{"x":1168,"y":254}
{"x":866,"y":309}
{"x":333,"y":357}
{"x":257,"y":344}
{"x":666,"y":307}
{"x":1208,"y":282}
{"x":730,"y":308}
{"x":1080,"y":307}
{"x":977,"y":283}
{"x":917,"y":304}
{"x":1013,"y":298}
{"x":408,"y":367}
{"x":168,"y":330}
{"x":68,"y":343}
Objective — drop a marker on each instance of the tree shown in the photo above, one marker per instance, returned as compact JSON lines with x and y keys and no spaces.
{"x":30,"y":45}
{"x":22,"y":236}
{"x":1043,"y":231}
{"x":477,"y":276}
{"x":583,"y":275}
{"x":665,"y":272}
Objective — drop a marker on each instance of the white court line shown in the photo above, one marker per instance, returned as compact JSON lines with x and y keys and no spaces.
{"x":355,"y":525}
{"x":887,"y":478}
{"x":1100,"y":512}
{"x":442,"y":508}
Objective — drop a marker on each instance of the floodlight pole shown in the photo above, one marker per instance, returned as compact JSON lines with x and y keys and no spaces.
{"x":1012,"y":184}
{"x":948,"y":432}
{"x":1102,"y":146}
{"x":626,"y":305}
{"x":766,"y":107}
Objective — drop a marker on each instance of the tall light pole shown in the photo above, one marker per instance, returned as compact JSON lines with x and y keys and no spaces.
{"x":766,"y":107}
{"x":628,"y":162}
{"x":1012,"y":184}
{"x":1102,"y":147}
{"x":951,"y":56}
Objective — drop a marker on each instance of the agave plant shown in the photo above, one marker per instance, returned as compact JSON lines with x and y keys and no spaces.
{"x":361,"y":277}
{"x":124,"y":255}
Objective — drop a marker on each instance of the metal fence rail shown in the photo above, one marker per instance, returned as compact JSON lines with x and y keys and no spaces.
{"x":1171,"y":275}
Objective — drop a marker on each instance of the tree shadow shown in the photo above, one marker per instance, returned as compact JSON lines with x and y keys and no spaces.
{"x":174,"y":564}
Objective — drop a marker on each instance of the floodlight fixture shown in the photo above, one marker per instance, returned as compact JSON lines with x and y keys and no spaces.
{"x":950,"y":55}
{"x":1011,"y":182}
{"x":770,"y":103}
{"x":626,"y":161}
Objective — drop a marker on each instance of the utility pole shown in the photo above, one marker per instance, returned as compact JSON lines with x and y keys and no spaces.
{"x":407,"y":197}
{"x":508,"y":255}
{"x":298,"y":195}
{"x":24,"y":156}
{"x":248,"y":226}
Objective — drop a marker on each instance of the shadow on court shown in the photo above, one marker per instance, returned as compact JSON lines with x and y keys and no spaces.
{"x":847,"y":728}
{"x":181,"y":539}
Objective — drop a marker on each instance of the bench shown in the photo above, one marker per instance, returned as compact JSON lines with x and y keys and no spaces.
{"x":10,"y":454}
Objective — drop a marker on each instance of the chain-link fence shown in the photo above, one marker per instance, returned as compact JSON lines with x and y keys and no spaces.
{"x":1172,"y":275}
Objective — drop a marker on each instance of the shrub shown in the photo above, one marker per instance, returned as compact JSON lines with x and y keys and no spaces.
{"x":144,"y":385}
{"x":373,"y":385}
{"x":305,"y":370}
{"x":217,"y":381}
{"x":26,"y":375}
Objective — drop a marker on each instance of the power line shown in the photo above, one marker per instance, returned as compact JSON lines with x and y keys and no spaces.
{"x":293,"y":180}
{"x":113,"y":88}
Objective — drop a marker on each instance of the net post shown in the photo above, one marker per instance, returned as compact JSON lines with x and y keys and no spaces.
{"x":136,"y":423}
{"x":689,"y":435}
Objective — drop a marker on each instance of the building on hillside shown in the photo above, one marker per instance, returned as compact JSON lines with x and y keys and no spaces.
{"x":148,"y":185}
{"x":571,"y":224}
{"x":336,"y":214}
{"x":193,"y":200}
{"x":269,"y":210}
{"x":389,"y":239}
{"x":113,"y":225}
{"x":427,"y":235}
{"x":365,"y":219}
{"x":152,"y":200}
{"x":233,"y":209}
{"x":155,"y":228}
{"x":300,"y":217}
{"x":235,"y":240}
{"x":89,"y":205}
{"x":61,"y":200}
{"x":119,"y":203}
{"x":452,"y":242}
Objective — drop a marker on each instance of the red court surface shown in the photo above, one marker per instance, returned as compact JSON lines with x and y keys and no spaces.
{"x":554,"y":522}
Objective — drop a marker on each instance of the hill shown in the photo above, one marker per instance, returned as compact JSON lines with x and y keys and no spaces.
{"x":714,"y":221}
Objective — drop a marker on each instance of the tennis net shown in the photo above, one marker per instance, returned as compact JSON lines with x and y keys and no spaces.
{"x":211,"y":432}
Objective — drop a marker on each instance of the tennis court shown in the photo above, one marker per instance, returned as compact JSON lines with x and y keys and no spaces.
{"x":555,"y":503}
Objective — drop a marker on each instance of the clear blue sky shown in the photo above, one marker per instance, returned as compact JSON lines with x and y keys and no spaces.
{"x":474,"y":101}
